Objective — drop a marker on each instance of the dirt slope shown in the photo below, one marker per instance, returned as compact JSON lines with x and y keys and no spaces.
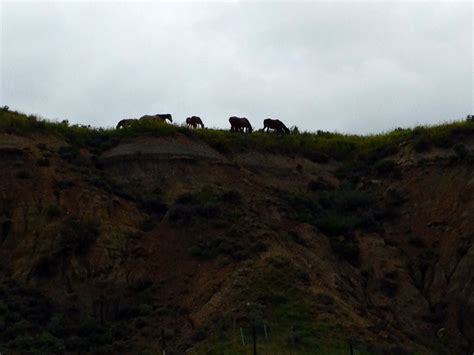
{"x":110,"y":239}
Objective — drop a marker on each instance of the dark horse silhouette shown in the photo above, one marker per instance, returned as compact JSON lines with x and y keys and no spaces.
{"x":194,"y":121}
{"x":240,"y":124}
{"x":276,"y":125}
{"x":125,"y":123}
{"x":157,"y":117}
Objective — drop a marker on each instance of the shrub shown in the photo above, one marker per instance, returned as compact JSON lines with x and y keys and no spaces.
{"x":347,"y":199}
{"x":22,"y":342}
{"x":63,"y":184}
{"x":386,"y":167}
{"x":43,"y":162}
{"x":190,"y":208}
{"x":387,"y":286}
{"x":296,"y":237}
{"x":346,"y":249}
{"x":53,"y":211}
{"x":303,"y":276}
{"x":336,"y":212}
{"x":46,"y":266}
{"x":23,"y":174}
{"x":394,"y":198}
{"x":68,"y":153}
{"x":333,"y":223}
{"x":319,"y":184}
{"x":207,"y":249}
{"x":461,"y":151}
{"x":154,"y":205}
{"x":147,"y":225}
{"x":317,"y":157}
{"x":417,"y":242}
{"x":422,"y":144}
{"x":231,"y":197}
{"x":47,"y":342}
{"x":76,"y":237}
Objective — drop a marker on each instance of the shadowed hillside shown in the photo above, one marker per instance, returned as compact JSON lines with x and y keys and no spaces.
{"x":110,"y":239}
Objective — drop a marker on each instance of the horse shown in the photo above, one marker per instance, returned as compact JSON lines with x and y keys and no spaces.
{"x":240,"y":124}
{"x":276,"y":125}
{"x":158,"y":117}
{"x":125,"y":123}
{"x":194,"y":121}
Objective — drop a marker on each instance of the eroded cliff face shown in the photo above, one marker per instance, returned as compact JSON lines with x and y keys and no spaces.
{"x":169,"y":233}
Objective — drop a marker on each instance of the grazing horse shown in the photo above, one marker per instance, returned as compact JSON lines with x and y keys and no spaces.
{"x":194,"y":121}
{"x":125,"y":123}
{"x":158,"y":117}
{"x":276,"y":125}
{"x":238,"y":124}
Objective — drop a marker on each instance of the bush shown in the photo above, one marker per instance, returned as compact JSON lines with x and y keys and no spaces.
{"x":347,"y":249}
{"x":386,"y":167}
{"x":317,"y":157}
{"x":422,"y":144}
{"x":336,"y":212}
{"x":53,"y":211}
{"x":147,"y":225}
{"x":42,"y":146}
{"x":63,"y":184}
{"x":154,"y":205}
{"x":231,"y":197}
{"x":461,"y":151}
{"x":46,"y":266}
{"x":43,"y":162}
{"x":190,"y":208}
{"x":69,"y":153}
{"x":387,"y":287}
{"x":23,"y":174}
{"x":76,"y":237}
{"x":319,"y":184}
{"x":207,"y":249}
{"x":333,"y":223}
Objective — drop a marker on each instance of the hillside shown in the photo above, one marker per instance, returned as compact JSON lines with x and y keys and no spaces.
{"x":110,"y":239}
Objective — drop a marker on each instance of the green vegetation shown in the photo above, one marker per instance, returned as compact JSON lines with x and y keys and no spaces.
{"x":43,"y":162}
{"x":75,"y":237}
{"x":192,"y":208}
{"x":63,"y":184}
{"x":32,"y":323}
{"x":23,"y":174}
{"x":210,"y":248}
{"x":338,"y":213}
{"x":53,"y":211}
{"x":319,"y":146}
{"x":335,"y":212}
{"x":275,"y":297}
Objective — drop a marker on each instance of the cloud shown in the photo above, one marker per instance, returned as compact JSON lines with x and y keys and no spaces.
{"x":351,"y":67}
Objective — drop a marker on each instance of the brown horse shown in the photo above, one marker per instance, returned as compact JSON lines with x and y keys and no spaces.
{"x":194,"y":121}
{"x":240,"y":124}
{"x":125,"y":123}
{"x":276,"y":125}
{"x":157,"y":117}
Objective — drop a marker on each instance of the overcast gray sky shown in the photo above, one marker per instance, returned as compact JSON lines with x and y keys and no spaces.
{"x":359,"y":67}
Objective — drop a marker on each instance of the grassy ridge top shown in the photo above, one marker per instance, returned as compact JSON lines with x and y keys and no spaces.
{"x":318,"y":146}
